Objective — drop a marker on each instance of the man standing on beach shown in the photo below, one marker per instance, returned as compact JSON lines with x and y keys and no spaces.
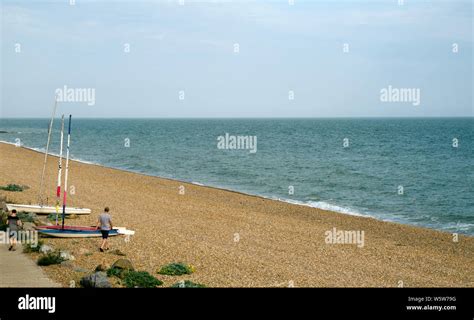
{"x":13,"y":223}
{"x":105,"y":224}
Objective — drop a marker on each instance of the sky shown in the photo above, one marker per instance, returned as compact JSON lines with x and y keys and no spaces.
{"x":167,"y":59}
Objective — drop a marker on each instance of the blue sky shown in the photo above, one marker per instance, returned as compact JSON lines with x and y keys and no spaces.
{"x":283,"y":47}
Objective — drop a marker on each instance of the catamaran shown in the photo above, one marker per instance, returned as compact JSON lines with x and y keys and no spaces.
{"x":45,"y":209}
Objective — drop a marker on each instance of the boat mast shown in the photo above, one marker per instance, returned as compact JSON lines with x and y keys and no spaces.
{"x":58,"y":189}
{"x":67,"y":170}
{"x":41,"y":200}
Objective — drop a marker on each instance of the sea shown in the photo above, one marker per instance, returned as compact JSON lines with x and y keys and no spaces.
{"x":417,"y":171}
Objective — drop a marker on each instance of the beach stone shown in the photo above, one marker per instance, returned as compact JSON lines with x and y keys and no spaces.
{"x":96,"y":280}
{"x":46,"y":249}
{"x":123,"y":264}
{"x":66,"y":255}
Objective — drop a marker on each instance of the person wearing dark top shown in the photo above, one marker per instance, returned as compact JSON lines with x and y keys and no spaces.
{"x":13,"y":223}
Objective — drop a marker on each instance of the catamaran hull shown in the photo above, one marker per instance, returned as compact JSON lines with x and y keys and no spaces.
{"x":46,"y":209}
{"x":70,"y":233}
{"x":118,"y":230}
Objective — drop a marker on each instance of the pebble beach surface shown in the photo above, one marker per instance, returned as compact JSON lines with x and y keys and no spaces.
{"x":232,"y":239}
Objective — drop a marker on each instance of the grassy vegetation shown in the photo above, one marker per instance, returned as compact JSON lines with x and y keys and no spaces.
{"x":176,"y":269}
{"x":114,"y":272}
{"x":187,"y":284}
{"x":28,"y":248}
{"x":13,"y":187}
{"x":134,"y":279}
{"x":3,"y":220}
{"x":49,"y":259}
{"x":141,"y":279}
{"x":52,"y":217}
{"x":26,"y":217}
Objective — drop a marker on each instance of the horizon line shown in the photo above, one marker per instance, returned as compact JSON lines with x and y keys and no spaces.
{"x":250,"y":118}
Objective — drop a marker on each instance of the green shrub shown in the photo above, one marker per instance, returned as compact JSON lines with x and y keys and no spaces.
{"x":176,"y":269}
{"x":187,"y":284}
{"x":49,"y":259}
{"x":52,"y":216}
{"x":28,"y":248}
{"x":26,"y":217}
{"x":114,"y":272}
{"x":3,"y":225}
{"x":13,"y":187}
{"x":3,"y":220}
{"x":141,"y":279}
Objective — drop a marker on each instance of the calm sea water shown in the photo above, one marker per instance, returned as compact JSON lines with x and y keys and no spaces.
{"x":366,"y":177}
